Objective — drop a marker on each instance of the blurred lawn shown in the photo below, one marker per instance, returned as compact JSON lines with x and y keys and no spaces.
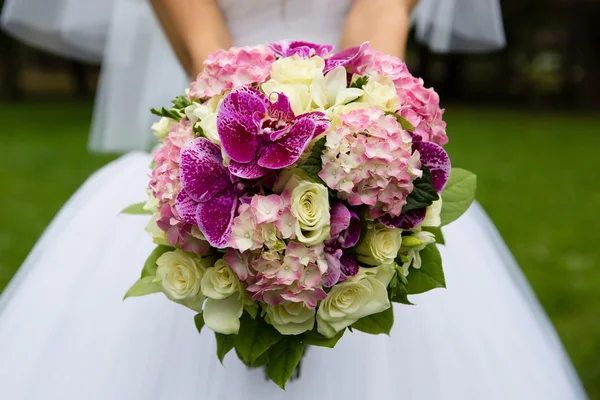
{"x":536,"y":180}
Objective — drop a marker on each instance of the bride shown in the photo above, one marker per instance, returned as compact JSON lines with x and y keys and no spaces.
{"x":65,"y":332}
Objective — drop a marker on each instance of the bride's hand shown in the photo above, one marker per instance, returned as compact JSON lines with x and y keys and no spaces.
{"x":384,"y":23}
{"x":195,"y":28}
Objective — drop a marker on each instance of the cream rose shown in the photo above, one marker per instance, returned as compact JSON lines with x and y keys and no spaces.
{"x":362,"y":295}
{"x":205,"y":116}
{"x":225,"y":303}
{"x":180,"y":274}
{"x":162,"y":127}
{"x":297,"y":93}
{"x":291,"y":318}
{"x":380,"y":245}
{"x":297,"y":70}
{"x":219,"y":281}
{"x":310,"y":206}
{"x":381,"y":92}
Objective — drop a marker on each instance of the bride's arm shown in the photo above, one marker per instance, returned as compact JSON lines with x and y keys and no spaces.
{"x":195,"y":29}
{"x":384,"y":23}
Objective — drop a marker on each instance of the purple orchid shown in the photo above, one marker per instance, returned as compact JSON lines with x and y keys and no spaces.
{"x":345,"y":57}
{"x":259,"y":135}
{"x":345,"y":233}
{"x":436,"y":159}
{"x":288,"y":48}
{"x":210,"y":194}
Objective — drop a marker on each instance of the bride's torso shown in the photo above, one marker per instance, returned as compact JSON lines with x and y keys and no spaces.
{"x":262,"y":21}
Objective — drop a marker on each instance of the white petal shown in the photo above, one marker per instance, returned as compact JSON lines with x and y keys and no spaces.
{"x":223,"y":316}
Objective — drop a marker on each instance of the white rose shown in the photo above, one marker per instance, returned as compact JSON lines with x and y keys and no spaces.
{"x":432,"y":216}
{"x":297,"y":70}
{"x":205,"y":116}
{"x":297,"y":93}
{"x":225,"y":304}
{"x":180,"y":274}
{"x":209,"y":128}
{"x":158,"y":235}
{"x":362,"y":295}
{"x":152,"y":203}
{"x":162,"y":128}
{"x":380,"y":245}
{"x":310,"y":206}
{"x":381,"y":92}
{"x":219,"y":281}
{"x":291,"y":318}
{"x":289,"y":179}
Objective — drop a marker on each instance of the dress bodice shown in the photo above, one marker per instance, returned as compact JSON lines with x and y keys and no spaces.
{"x":263,"y":21}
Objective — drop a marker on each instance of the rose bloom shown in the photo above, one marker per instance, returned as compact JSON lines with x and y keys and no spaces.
{"x":357,"y":297}
{"x":179,"y":274}
{"x":380,"y":245}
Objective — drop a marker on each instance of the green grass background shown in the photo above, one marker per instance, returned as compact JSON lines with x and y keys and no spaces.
{"x":538,"y":180}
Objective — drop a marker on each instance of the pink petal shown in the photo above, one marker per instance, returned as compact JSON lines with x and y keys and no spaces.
{"x":406,"y":220}
{"x":236,"y":123}
{"x":201,"y":170}
{"x":281,"y":108}
{"x":215,"y":217}
{"x":287,"y":150}
{"x":436,"y":159}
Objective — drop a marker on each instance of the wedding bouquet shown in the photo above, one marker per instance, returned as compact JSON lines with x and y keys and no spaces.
{"x":295,"y":194}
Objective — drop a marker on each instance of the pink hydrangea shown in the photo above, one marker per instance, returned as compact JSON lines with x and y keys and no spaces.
{"x":369,"y":160}
{"x":179,"y":233}
{"x":265,"y":221}
{"x":226,"y":69}
{"x":419,"y":105}
{"x":296,"y":274}
{"x":164,"y":178}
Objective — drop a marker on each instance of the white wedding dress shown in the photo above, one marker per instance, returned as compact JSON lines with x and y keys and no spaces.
{"x":65,"y":332}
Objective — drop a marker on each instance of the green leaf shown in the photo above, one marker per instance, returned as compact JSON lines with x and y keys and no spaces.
{"x":376,"y":324}
{"x":458,"y":194}
{"x":437,"y":231}
{"x":255,"y":337}
{"x":150,"y":264}
{"x":423,"y":194}
{"x":407,"y":126}
{"x":360,"y":82}
{"x":163,"y":112}
{"x":314,"y":338}
{"x":283,"y":359}
{"x":180,"y":102}
{"x":430,"y":275}
{"x":136,"y":209}
{"x":313,"y":164}
{"x":199,"y":321}
{"x":397,"y":289}
{"x":144,"y":286}
{"x":224,"y":345}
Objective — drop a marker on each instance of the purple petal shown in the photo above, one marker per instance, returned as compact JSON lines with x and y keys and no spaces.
{"x":340,"y":218}
{"x":236,"y":124}
{"x":287,"y":48}
{"x":407,"y":220}
{"x":215,"y":217}
{"x":332,"y":276}
{"x":320,"y":119}
{"x":349,"y":266}
{"x":201,"y":170}
{"x":281,"y":108}
{"x":288,"y":149}
{"x":438,"y":162}
{"x":351,"y":235}
{"x":345,"y":57}
{"x":186,"y":207}
{"x":250,"y":170}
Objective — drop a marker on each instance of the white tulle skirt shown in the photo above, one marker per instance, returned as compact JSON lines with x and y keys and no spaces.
{"x":65,"y":332}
